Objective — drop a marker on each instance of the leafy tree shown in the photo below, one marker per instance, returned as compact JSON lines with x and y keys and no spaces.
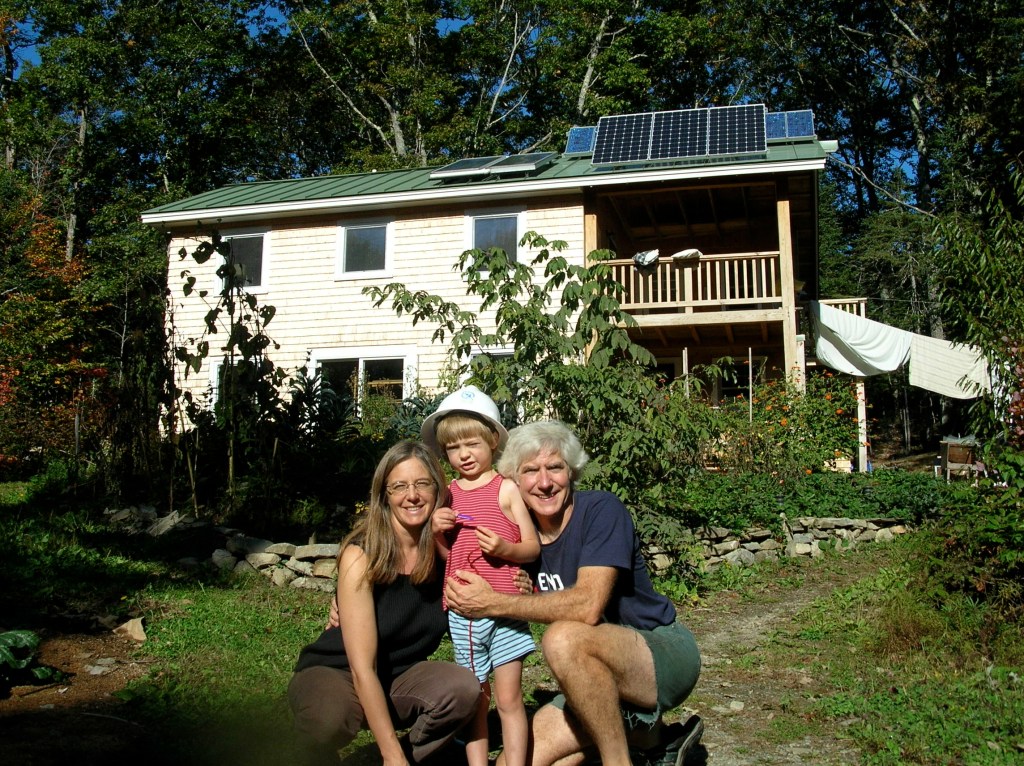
{"x":389,"y":70}
{"x":588,"y":325}
{"x":50,"y":372}
{"x":981,"y":300}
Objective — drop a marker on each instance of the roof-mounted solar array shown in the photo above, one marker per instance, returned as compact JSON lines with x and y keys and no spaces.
{"x":681,"y":134}
{"x":479,"y":167}
{"x":581,"y":140}
{"x":795,"y":124}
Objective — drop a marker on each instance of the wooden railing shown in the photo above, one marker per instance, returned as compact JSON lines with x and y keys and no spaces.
{"x":858,"y":306}
{"x":705,"y":282}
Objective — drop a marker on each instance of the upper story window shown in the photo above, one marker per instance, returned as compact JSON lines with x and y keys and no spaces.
{"x":364,"y":248}
{"x":501,"y":230}
{"x":249,"y":254}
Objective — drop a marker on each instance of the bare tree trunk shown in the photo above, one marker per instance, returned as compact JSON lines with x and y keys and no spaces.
{"x":69,"y":250}
{"x":6,"y":93}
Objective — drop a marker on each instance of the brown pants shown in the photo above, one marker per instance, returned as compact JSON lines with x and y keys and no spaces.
{"x":434,"y":699}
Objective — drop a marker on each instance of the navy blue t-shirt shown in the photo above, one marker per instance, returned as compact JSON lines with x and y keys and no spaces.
{"x":600,"y":533}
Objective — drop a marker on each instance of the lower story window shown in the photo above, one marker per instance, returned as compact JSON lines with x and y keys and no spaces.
{"x":355,"y":378}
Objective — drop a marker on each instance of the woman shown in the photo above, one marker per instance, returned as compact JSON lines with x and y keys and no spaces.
{"x":372,"y":669}
{"x":613,"y":644}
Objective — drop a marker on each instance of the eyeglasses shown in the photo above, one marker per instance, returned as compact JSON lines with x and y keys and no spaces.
{"x":402,"y":487}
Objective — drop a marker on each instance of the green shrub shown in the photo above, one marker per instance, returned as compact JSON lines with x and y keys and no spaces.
{"x":18,"y":661}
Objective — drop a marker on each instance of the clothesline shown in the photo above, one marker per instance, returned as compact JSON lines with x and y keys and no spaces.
{"x":863,"y":347}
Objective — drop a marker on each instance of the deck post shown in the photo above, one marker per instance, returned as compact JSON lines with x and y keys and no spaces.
{"x":789,"y":344}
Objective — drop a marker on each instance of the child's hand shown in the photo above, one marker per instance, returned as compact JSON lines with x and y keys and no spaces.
{"x":442,"y":520}
{"x":491,"y":543}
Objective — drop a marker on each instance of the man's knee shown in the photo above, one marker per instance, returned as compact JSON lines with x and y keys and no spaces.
{"x":565,"y":642}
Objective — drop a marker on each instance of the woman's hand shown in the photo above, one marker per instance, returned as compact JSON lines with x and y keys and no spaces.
{"x":523,"y":582}
{"x":333,"y":620}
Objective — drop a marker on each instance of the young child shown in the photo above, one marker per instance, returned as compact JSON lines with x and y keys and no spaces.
{"x":486,"y":530}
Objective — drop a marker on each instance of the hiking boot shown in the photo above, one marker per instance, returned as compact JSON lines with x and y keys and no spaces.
{"x":676,"y":741}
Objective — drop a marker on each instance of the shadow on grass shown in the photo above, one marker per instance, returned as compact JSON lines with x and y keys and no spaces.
{"x":66,"y":570}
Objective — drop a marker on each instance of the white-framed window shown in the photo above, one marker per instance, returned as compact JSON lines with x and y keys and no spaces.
{"x":737,"y":378}
{"x":364,"y":248}
{"x":245,"y":379}
{"x":250,"y":251}
{"x":486,"y":229}
{"x":357,"y":372}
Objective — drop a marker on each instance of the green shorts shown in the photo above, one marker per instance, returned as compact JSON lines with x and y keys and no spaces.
{"x":676,"y":669}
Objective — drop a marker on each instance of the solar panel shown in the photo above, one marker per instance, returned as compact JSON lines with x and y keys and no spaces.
{"x":520,"y":163}
{"x":795,"y":124}
{"x":679,"y":134}
{"x":471,"y":166}
{"x":775,"y":125}
{"x":736,"y":130}
{"x":581,"y":140}
{"x":623,"y":138}
{"x":800,"y":123}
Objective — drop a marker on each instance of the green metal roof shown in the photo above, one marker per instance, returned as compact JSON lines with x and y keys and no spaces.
{"x":265,"y":200}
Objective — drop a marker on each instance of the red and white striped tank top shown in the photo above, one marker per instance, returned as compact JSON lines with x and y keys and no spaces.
{"x":481,"y":507}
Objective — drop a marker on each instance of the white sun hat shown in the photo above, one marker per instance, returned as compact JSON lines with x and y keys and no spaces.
{"x":468,"y":401}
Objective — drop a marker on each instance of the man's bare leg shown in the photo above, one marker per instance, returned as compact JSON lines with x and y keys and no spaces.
{"x":555,"y":738}
{"x":597,"y":668}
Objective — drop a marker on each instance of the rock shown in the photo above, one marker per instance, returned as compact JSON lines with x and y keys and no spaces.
{"x":302,"y":567}
{"x":281,"y":549}
{"x":282,"y":576}
{"x":244,"y":544}
{"x":314,"y":583}
{"x":798,"y":549}
{"x":132,"y":630}
{"x":223,"y":559}
{"x":166,"y":524}
{"x":325,"y":568}
{"x":317,"y":551}
{"x":263,"y":560}
{"x":740,"y":557}
{"x":726,"y":547}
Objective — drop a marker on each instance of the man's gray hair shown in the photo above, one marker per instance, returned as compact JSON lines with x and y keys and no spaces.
{"x":528,"y":441}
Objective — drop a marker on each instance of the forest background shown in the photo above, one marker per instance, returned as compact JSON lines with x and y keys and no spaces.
{"x":109,"y":108}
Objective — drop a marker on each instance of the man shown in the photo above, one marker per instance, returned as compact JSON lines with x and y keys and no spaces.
{"x":613,"y":644}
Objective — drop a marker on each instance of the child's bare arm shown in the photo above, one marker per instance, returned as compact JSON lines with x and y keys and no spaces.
{"x":513,"y":507}
{"x":442,"y":521}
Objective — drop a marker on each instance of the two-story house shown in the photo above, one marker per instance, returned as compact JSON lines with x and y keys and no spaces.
{"x":712,"y":214}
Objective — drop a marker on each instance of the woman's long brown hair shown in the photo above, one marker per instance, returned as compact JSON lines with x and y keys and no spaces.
{"x":374,"y":533}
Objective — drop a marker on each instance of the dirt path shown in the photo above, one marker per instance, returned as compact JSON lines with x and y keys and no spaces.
{"x":741,"y":700}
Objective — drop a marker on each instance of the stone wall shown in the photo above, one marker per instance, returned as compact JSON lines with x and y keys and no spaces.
{"x":802,"y":536}
{"x":314,"y":565}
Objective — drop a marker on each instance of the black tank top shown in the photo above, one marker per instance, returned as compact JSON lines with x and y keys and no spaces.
{"x":410,"y":626}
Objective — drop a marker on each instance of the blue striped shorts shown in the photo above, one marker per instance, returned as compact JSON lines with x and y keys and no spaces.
{"x":484,"y":643}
